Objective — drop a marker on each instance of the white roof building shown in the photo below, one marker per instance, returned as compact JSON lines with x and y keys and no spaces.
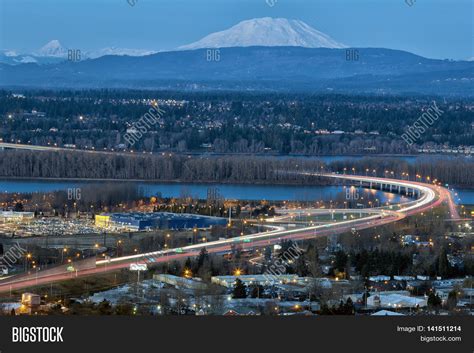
{"x":403,"y":278}
{"x":395,"y":301}
{"x":229,"y":281}
{"x":380,"y":278}
{"x":386,"y":313}
{"x":6,"y":216}
{"x":423,"y":278}
{"x":191,"y":283}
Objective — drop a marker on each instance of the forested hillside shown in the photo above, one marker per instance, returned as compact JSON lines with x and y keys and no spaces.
{"x":233,"y":122}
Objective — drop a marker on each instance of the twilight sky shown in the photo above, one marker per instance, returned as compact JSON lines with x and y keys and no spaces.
{"x":432,"y":28}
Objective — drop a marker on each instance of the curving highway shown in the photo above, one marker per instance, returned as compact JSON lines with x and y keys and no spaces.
{"x":429,"y":196}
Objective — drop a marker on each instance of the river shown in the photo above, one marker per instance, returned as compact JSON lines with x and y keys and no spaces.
{"x":228,"y":191}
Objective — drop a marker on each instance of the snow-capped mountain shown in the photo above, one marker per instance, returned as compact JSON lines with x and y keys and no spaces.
{"x":269,"y":32}
{"x":118,"y":51}
{"x":9,"y":53}
{"x":54,"y":52}
{"x":11,"y":57}
{"x":52,"y":49}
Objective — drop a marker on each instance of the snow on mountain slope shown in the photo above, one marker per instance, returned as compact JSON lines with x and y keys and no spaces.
{"x":119,"y":51}
{"x":267,"y":31}
{"x":55,"y":49}
{"x":52,"y":49}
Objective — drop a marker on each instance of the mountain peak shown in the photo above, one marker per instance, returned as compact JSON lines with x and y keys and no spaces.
{"x":52,"y":48}
{"x":267,"y":31}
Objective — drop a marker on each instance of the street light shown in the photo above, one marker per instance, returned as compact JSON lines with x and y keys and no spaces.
{"x":62,"y":254}
{"x":28,"y":257}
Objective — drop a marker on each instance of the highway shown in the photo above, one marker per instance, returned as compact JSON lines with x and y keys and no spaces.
{"x":18,"y":146}
{"x":430,"y":196}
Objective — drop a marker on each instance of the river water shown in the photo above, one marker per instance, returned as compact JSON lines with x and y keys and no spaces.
{"x":227,"y":191}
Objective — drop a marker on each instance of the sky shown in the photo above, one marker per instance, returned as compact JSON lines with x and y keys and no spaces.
{"x":431,"y":28}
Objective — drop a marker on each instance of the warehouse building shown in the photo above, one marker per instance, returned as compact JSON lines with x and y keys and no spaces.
{"x":180,"y":282}
{"x":265,"y":280}
{"x":137,"y":221}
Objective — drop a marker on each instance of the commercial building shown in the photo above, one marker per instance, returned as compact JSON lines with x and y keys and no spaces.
{"x":102,"y":221}
{"x":11,"y":216}
{"x":273,"y":280}
{"x":386,"y":313}
{"x":229,"y":281}
{"x":395,"y":300}
{"x":380,"y":278}
{"x":137,"y":221}
{"x":180,"y":282}
{"x":413,"y":240}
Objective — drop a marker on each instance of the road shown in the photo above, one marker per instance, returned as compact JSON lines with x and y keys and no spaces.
{"x":430,"y":196}
{"x":19,"y":146}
